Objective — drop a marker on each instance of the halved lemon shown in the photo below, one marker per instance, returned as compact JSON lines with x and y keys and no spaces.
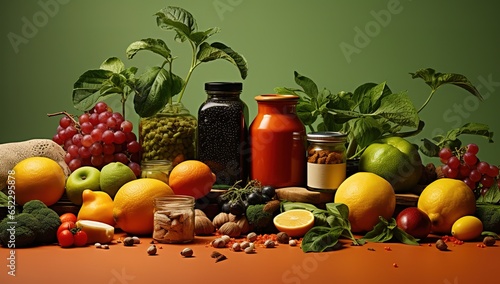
{"x":295,"y":222}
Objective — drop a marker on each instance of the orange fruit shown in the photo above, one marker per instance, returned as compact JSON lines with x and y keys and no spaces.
{"x":367,"y":196}
{"x":192,"y":178}
{"x":134,"y":204}
{"x":446,"y":200}
{"x":295,"y":222}
{"x":38,"y":178}
{"x":96,"y":206}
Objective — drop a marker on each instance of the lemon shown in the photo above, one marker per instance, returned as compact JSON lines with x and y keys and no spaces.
{"x":96,"y":206}
{"x":445,"y":201}
{"x":295,"y":222}
{"x":134,"y":204}
{"x":113,"y":176}
{"x":367,"y":196}
{"x":467,"y":228}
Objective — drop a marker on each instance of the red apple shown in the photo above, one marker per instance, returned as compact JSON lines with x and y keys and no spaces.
{"x":414,"y":222}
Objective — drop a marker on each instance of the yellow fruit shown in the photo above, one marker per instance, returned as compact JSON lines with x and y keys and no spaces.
{"x":96,"y":206}
{"x":367,"y":196}
{"x":467,"y":228}
{"x":445,"y":201}
{"x":295,"y":222}
{"x":192,"y":178}
{"x":97,"y":232}
{"x":134,"y":204}
{"x":38,"y":178}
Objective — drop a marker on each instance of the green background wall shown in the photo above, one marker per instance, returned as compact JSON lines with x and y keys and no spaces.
{"x":47,"y":44}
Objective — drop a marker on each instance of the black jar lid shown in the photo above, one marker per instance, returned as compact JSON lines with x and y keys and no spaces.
{"x":224,"y":86}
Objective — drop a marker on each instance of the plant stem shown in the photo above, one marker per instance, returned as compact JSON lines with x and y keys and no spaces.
{"x":427,"y":101}
{"x":191,"y":69}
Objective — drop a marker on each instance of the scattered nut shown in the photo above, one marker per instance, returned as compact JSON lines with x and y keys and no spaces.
{"x":441,"y":245}
{"x":220,"y":258}
{"x":249,"y":250}
{"x":151,"y":250}
{"x":215,"y":254}
{"x":97,"y":245}
{"x":244,"y":244}
{"x":251,"y":237}
{"x":292,"y":243}
{"x":136,"y":240}
{"x":218,"y":243}
{"x":105,"y":246}
{"x":187,"y":252}
{"x":489,"y":241}
{"x":269,"y":244}
{"x":226,"y":238}
{"x":231,"y":229}
{"x":236,"y":247}
{"x":283,"y":238}
{"x":128,"y":242}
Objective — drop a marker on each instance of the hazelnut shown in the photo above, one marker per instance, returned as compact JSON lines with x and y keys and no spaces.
{"x":269,"y":244}
{"x":441,"y":245}
{"x":220,"y":219}
{"x":218,"y":243}
{"x":151,"y":250}
{"x":187,"y":252}
{"x":489,"y":241}
{"x":203,"y":226}
{"x":128,"y":242}
{"x":236,"y":247}
{"x":283,"y":238}
{"x":251,"y":237}
{"x":231,"y":229}
{"x":292,"y":243}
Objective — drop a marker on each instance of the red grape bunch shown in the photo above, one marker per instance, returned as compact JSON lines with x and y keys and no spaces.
{"x":99,"y":137}
{"x":463,"y":164}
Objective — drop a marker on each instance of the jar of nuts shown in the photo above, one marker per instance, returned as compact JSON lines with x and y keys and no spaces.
{"x":174,"y":219}
{"x":326,"y":160}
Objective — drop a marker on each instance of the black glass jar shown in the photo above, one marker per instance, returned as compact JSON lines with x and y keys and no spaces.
{"x":223,"y":133}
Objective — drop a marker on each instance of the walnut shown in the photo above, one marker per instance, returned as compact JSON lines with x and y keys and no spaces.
{"x":231,"y":229}
{"x":203,"y":226}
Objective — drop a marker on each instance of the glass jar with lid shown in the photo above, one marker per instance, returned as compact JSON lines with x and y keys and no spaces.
{"x":223,"y":132}
{"x":157,"y":169}
{"x":173,"y":219}
{"x":326,"y":160}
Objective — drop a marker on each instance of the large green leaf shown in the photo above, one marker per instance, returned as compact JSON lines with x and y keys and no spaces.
{"x":154,"y":88}
{"x":319,"y":239}
{"x":363,"y":130}
{"x":472,"y":129}
{"x":305,"y":111}
{"x":157,"y":46}
{"x":399,"y":109}
{"x":113,"y":64}
{"x":309,"y":87}
{"x":86,"y":89}
{"x":199,"y":37}
{"x":177,"y":19}
{"x":209,"y":52}
{"x":435,"y":80}
{"x":368,"y":96}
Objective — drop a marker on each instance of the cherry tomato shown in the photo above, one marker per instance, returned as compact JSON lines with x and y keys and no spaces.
{"x":66,"y":226}
{"x":80,"y":238}
{"x":68,"y":217}
{"x":65,"y":238}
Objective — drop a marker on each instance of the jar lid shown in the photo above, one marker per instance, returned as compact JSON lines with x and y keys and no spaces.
{"x":224,"y":86}
{"x":326,"y":136}
{"x":276,"y":97}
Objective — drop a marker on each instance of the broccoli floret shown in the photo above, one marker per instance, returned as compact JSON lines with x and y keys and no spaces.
{"x":33,"y":205}
{"x":259,"y":218}
{"x":489,"y":214}
{"x":19,"y":231}
{"x":49,"y":222}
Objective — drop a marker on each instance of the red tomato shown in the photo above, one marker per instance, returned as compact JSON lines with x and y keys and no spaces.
{"x":68,"y":217}
{"x":80,"y":238}
{"x":65,"y":238}
{"x":66,"y":226}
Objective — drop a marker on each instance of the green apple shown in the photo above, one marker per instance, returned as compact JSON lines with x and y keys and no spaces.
{"x":86,"y":177}
{"x":113,"y":176}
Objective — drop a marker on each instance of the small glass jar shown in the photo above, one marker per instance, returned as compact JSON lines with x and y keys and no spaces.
{"x":157,"y":169}
{"x":326,"y":160}
{"x":174,"y":219}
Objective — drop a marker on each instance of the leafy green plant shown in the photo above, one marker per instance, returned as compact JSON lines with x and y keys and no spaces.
{"x":387,"y":230}
{"x":157,"y":85}
{"x":372,"y":111}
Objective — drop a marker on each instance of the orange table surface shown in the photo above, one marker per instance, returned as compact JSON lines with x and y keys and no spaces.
{"x":370,"y":263}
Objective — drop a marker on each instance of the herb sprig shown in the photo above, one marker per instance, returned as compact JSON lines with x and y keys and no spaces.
{"x":387,"y":230}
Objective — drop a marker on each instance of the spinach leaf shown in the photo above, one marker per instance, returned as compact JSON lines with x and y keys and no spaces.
{"x":320,"y":239}
{"x":387,"y":230}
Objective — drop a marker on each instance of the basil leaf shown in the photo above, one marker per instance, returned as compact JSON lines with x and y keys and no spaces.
{"x":363,"y":130}
{"x":473,"y":129}
{"x":319,"y":239}
{"x":429,"y":149}
{"x":113,"y":64}
{"x":129,"y":73}
{"x":157,"y":46}
{"x":492,"y":195}
{"x":288,"y":91}
{"x":155,"y":87}
{"x":306,"y":113}
{"x":86,"y":89}
{"x":177,"y":19}
{"x":435,"y":80}
{"x":199,"y":37}
{"x":369,"y":96}
{"x":307,"y":85}
{"x":209,"y":52}
{"x":338,"y":209}
{"x":398,"y":108}
{"x":404,"y":237}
